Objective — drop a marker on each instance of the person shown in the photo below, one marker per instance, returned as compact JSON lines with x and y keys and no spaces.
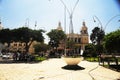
{"x":18,"y":56}
{"x":27,"y":56}
{"x":15,"y":56}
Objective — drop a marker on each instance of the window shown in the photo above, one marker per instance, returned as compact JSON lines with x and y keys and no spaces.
{"x":76,"y":40}
{"x":15,"y":44}
{"x":79,"y":40}
{"x":20,"y":44}
{"x":24,"y":45}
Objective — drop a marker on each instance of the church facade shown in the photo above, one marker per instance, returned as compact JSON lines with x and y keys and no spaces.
{"x":80,"y":40}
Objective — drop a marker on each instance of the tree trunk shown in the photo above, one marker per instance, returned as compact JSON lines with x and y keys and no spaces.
{"x":28,"y":44}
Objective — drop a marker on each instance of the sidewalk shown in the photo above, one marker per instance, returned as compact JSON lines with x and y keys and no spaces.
{"x":52,"y":70}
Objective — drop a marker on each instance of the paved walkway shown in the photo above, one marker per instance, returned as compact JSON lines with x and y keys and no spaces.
{"x":52,"y":70}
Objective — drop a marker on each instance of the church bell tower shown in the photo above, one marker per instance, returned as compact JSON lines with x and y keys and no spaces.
{"x":84,"y":36}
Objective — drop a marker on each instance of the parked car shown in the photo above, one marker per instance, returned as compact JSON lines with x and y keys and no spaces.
{"x":5,"y":56}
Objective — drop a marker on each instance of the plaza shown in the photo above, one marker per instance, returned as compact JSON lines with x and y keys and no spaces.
{"x":53,"y":69}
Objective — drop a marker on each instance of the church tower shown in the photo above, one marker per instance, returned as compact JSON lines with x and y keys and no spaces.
{"x":84,"y":30}
{"x":84,"y":36}
{"x":59,"y":26}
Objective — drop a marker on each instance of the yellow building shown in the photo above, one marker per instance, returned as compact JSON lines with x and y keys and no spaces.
{"x":20,"y":46}
{"x":17,"y":46}
{"x":81,"y":39}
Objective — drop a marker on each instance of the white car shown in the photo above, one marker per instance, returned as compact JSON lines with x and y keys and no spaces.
{"x":6,"y":56}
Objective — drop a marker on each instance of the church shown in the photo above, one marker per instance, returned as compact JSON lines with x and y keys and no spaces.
{"x":80,"y":40}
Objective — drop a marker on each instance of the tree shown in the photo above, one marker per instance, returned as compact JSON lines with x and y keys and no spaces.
{"x":5,"y":36}
{"x":70,"y":44}
{"x":41,"y":47}
{"x":55,"y":37}
{"x":96,"y":37}
{"x":27,"y":35}
{"x":90,"y":50}
{"x":112,"y":42}
{"x":23,"y":34}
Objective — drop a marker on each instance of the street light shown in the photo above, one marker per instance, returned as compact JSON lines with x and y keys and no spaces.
{"x":27,"y":22}
{"x":106,"y":23}
{"x":70,"y":15}
{"x":98,"y":21}
{"x":111,"y":20}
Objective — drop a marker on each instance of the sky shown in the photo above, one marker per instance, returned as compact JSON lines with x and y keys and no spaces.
{"x":47,"y":13}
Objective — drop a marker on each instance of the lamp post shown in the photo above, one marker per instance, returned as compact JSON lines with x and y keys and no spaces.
{"x":70,"y":15}
{"x":103,"y":28}
{"x":98,"y":21}
{"x":27,"y":23}
{"x":111,"y":20}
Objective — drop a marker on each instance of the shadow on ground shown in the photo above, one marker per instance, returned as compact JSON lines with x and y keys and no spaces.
{"x":115,"y":67}
{"x":73,"y":67}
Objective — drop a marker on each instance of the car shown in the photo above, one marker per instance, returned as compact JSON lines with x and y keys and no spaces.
{"x":5,"y":56}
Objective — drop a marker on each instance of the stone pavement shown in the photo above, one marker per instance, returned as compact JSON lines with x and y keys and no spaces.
{"x":53,"y":69}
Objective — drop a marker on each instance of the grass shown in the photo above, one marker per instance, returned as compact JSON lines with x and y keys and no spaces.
{"x":91,"y":59}
{"x":38,"y":58}
{"x":95,"y":59}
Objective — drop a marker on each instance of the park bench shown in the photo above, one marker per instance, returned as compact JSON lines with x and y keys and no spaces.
{"x":109,"y":59}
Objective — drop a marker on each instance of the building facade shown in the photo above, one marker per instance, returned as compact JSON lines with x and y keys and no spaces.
{"x":80,"y":40}
{"x":20,"y":46}
{"x":17,"y":46}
